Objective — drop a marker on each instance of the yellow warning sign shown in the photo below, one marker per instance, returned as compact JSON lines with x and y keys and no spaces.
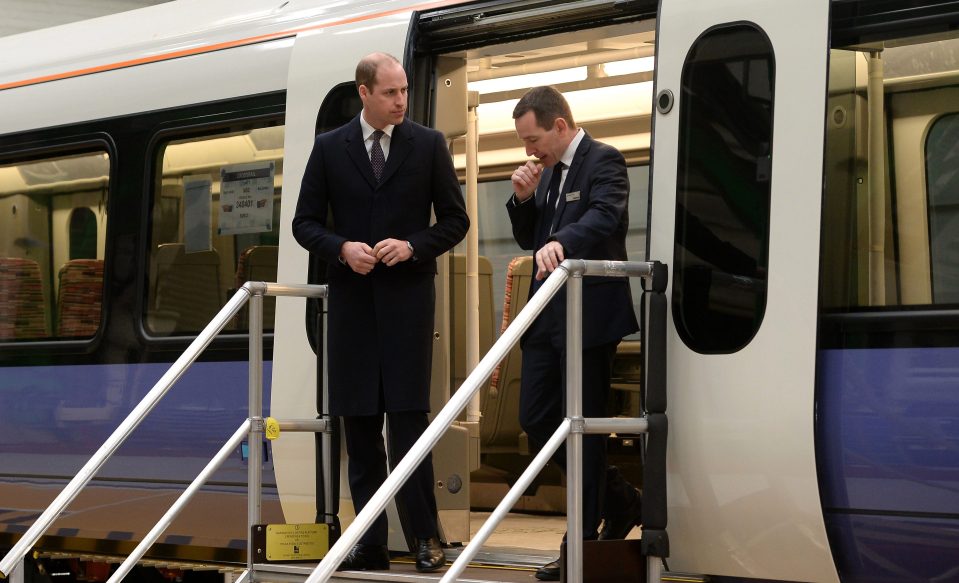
{"x":297,"y":542}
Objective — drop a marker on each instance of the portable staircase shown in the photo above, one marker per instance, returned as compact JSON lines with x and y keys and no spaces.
{"x":590,"y":562}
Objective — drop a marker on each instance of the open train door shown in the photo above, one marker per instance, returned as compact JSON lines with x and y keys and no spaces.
{"x":737,"y":188}
{"x":321,"y":96}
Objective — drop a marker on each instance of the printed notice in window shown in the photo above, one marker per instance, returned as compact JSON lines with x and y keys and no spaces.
{"x":197,"y":197}
{"x":246,"y":198}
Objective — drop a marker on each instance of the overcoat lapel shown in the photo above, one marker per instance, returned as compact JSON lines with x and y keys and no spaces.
{"x":357,"y":151}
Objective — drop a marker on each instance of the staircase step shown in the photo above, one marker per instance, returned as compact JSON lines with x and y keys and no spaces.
{"x":499,"y":566}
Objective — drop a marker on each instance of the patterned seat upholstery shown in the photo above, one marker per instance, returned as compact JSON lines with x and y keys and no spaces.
{"x":79,"y":298}
{"x":257,"y":263}
{"x":499,"y":429}
{"x":22,"y":314}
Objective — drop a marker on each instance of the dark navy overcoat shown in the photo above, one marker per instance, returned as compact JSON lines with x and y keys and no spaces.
{"x":380,"y":324}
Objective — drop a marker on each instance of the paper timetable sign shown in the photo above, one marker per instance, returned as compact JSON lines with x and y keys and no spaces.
{"x":246,"y":198}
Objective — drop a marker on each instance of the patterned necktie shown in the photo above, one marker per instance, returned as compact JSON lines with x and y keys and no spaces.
{"x":377,"y":159}
{"x":552,"y":195}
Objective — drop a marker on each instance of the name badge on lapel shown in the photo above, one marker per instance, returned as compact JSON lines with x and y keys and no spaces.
{"x":571,"y":196}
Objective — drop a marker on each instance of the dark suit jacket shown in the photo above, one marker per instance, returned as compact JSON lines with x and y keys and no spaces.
{"x":380,"y":324}
{"x":590,"y":225}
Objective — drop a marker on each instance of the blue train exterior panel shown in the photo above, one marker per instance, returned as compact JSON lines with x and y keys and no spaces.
{"x":53,"y":419}
{"x":888,"y":455}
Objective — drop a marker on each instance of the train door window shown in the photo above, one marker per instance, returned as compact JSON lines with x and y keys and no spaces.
{"x":215,"y":225}
{"x":83,"y":234}
{"x":942,"y":160}
{"x":723,"y":189}
{"x":339,"y":106}
{"x":891,"y":203}
{"x":52,"y":238}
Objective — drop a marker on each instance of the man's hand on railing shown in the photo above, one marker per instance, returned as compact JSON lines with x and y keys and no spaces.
{"x":548,"y":259}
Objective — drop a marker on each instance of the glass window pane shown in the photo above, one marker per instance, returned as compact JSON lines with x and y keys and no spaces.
{"x":892,"y":243}
{"x":53,"y":216}
{"x":216,"y":208}
{"x":942,"y":164}
{"x":723,"y":189}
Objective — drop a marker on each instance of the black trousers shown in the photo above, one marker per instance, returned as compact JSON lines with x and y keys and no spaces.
{"x":416,"y":500}
{"x":542,"y":407}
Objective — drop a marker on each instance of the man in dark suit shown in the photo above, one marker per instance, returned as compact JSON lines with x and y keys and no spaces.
{"x":572,"y":203}
{"x":380,"y":176}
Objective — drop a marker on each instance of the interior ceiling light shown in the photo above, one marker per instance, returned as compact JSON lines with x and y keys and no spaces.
{"x":528,"y":80}
{"x":629,"y":66}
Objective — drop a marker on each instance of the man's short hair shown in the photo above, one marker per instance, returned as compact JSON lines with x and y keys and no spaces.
{"x":547,"y":104}
{"x":366,"y":68}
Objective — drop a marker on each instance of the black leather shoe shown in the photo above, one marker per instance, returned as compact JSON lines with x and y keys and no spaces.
{"x":549,"y":571}
{"x":619,"y":521}
{"x":429,"y":555}
{"x":366,"y":558}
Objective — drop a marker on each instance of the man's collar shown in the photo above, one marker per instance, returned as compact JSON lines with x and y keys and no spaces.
{"x":368,"y":129}
{"x":567,"y":158}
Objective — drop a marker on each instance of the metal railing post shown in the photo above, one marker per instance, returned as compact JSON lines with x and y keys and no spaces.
{"x":255,"y":447}
{"x":574,"y":412}
{"x":17,"y":575}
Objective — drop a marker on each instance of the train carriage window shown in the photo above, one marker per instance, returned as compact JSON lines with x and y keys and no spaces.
{"x":891,"y":201}
{"x":53,"y":216}
{"x":723,"y":189}
{"x":215,"y":226}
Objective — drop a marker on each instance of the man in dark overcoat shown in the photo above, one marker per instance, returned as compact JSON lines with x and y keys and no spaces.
{"x":572,"y":203}
{"x":380,"y":176}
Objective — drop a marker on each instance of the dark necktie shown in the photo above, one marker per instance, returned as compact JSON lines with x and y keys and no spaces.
{"x":377,"y":159}
{"x":552,"y":194}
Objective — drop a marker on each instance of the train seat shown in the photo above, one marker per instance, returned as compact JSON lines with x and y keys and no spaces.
{"x":22,"y":313}
{"x":486,"y":320}
{"x":185,"y":289}
{"x":500,"y":429}
{"x":257,"y":263}
{"x":79,"y":298}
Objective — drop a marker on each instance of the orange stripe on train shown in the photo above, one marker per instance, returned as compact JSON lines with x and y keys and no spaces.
{"x":219,"y":46}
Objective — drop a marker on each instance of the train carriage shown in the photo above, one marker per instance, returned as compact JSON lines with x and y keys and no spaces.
{"x":791,"y":163}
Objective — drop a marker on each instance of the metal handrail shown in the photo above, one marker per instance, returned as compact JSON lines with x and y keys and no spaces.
{"x":254,"y":290}
{"x":575,"y":426}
